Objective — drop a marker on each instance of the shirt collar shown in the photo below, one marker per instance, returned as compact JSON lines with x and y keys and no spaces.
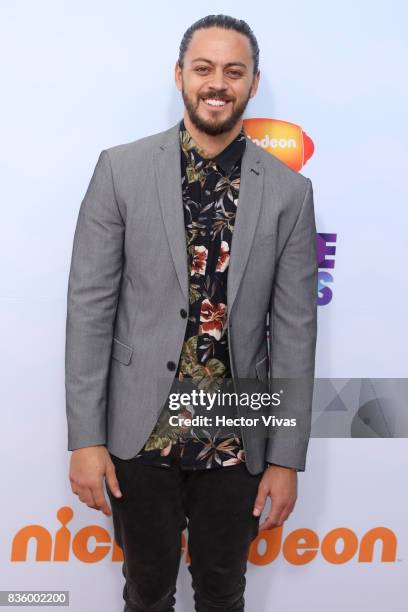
{"x":228,"y":156}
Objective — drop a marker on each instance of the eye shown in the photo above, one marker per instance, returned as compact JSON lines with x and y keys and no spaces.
{"x":201,"y":69}
{"x":235,"y":73}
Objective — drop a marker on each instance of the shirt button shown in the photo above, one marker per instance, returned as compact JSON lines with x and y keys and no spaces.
{"x":183,"y":313}
{"x":171,"y":365}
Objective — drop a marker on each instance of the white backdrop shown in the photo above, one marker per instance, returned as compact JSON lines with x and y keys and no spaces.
{"x":78,"y":77}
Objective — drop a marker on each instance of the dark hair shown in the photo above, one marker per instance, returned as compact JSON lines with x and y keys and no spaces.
{"x":220,"y":21}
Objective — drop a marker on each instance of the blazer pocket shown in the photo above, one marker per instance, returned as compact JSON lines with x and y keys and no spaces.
{"x":261,"y":368}
{"x":121,"y":352}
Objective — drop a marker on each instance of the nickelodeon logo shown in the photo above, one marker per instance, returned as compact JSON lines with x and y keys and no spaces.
{"x":326,"y":251}
{"x":93,"y":543}
{"x":285,"y":140}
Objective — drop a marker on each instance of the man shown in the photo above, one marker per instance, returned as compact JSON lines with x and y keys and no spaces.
{"x":186,"y":241}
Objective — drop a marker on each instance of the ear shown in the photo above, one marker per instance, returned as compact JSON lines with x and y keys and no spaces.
{"x":255,"y":83}
{"x":177,"y":76}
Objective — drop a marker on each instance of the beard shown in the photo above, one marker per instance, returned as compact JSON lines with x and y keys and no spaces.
{"x":216,"y":126}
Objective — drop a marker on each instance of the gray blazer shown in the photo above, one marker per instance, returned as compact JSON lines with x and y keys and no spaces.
{"x":128,"y":284}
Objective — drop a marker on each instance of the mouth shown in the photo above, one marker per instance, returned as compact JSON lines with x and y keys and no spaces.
{"x":215,"y":103}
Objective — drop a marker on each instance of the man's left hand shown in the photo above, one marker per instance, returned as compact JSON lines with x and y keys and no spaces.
{"x":280,"y":484}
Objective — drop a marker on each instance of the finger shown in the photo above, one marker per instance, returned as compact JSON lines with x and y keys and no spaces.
{"x":100,"y":500}
{"x":85,"y":496}
{"x":93,"y":503}
{"x":112,"y":481}
{"x":273,"y":517}
{"x":75,"y":487}
{"x":285,"y":514}
{"x":260,"y":500}
{"x":268,"y":523}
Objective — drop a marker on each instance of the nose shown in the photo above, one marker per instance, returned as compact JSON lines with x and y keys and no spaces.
{"x":217,"y":81}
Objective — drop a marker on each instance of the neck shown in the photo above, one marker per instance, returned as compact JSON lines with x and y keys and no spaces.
{"x":211,"y":145}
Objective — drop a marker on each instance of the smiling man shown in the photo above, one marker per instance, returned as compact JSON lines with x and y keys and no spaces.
{"x":187,"y":242}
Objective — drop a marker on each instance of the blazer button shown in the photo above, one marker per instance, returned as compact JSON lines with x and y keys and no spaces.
{"x":183,"y":313}
{"x":171,"y":365}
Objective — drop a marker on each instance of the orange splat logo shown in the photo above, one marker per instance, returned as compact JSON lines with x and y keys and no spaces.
{"x":285,"y":140}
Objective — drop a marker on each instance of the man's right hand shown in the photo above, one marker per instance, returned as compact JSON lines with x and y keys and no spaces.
{"x":89,"y":466}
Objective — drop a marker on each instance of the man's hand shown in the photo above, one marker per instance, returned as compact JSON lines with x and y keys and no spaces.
{"x":88,"y":468}
{"x":280,"y":483}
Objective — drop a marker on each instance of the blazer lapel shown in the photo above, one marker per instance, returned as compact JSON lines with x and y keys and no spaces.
{"x":168,"y":178}
{"x":248,"y":209}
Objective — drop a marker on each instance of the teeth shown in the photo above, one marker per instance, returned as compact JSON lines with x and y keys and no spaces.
{"x":212,"y":102}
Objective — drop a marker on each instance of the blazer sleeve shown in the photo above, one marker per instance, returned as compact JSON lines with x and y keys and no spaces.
{"x":292,"y":339}
{"x":93,"y":289}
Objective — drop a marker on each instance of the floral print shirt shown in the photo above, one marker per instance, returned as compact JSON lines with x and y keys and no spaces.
{"x":210,"y":189}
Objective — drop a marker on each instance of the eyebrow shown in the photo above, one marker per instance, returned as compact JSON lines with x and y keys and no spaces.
{"x":203,"y":59}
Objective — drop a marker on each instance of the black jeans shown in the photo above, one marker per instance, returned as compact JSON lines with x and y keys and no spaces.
{"x":148,"y":521}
